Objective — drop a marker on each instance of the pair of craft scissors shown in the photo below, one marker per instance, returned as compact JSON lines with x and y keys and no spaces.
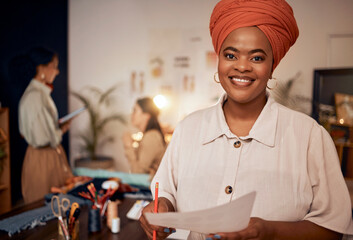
{"x":61,"y":207}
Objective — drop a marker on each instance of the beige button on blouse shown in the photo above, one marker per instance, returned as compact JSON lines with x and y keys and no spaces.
{"x":287,"y":158}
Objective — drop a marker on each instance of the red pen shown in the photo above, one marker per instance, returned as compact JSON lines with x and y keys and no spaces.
{"x":155,"y":207}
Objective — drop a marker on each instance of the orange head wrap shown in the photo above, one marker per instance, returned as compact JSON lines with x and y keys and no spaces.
{"x":273,"y":17}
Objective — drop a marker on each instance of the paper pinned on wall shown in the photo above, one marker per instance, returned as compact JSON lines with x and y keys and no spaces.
{"x":230,"y":217}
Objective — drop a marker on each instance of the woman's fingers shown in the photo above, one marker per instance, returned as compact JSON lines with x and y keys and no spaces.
{"x":255,"y":230}
{"x":161,"y":232}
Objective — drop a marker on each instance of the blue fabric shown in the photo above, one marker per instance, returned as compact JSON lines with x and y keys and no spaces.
{"x":142,"y":193}
{"x":35,"y":217}
{"x":129,"y":178}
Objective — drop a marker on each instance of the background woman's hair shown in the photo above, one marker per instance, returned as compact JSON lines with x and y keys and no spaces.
{"x":147,"y":105}
{"x":23,"y":68}
{"x":41,"y":56}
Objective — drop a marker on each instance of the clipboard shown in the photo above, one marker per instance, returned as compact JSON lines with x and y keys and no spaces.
{"x":71,"y":115}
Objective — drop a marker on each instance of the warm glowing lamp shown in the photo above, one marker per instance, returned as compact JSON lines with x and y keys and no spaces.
{"x":160,"y":101}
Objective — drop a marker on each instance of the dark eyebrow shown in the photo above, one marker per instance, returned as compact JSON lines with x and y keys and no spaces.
{"x":257,"y":50}
{"x":231,"y":48}
{"x":250,"y":52}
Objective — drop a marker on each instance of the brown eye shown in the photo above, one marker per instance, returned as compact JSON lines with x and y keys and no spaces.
{"x":258,"y":59}
{"x":230,"y":56}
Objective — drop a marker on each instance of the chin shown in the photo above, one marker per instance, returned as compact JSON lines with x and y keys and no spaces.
{"x":241,"y":98}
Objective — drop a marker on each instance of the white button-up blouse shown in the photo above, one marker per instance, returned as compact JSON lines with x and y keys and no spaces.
{"x":38,"y":116}
{"x":287,"y":158}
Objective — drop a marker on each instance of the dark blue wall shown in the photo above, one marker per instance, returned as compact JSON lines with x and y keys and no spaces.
{"x":25,"y":24}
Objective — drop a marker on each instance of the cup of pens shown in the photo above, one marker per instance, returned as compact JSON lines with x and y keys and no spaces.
{"x":73,"y":233}
{"x":67,"y":215}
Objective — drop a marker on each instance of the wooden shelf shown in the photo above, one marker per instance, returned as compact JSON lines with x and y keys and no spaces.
{"x":5,"y":180}
{"x":3,"y":187}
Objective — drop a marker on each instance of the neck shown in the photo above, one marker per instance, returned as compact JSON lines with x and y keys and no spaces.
{"x":143,"y":126}
{"x":244,"y":111}
{"x":37,"y":78}
{"x":240,"y":117}
{"x":43,"y":82}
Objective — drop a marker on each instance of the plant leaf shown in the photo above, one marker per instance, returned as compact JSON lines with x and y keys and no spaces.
{"x":116,"y":117}
{"x":105,"y":96}
{"x":107,"y":139}
{"x":82,"y":98}
{"x":95,"y":91}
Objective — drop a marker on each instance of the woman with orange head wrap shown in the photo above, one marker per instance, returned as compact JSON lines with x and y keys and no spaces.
{"x":247,"y":142}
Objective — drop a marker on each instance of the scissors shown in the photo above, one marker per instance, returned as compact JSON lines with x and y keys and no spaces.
{"x":62,"y":206}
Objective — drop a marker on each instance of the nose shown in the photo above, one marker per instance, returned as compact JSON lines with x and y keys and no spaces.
{"x":242,"y":65}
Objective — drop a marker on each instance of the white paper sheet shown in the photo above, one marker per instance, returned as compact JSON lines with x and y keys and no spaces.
{"x":230,"y":217}
{"x":71,"y":115}
{"x":180,"y":234}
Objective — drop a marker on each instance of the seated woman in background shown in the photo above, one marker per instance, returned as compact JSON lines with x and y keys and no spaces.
{"x":147,"y":156}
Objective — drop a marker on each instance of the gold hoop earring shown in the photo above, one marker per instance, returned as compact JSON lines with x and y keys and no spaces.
{"x":215,"y":78}
{"x":275,"y":81}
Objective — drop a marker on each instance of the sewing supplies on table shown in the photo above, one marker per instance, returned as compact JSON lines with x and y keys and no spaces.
{"x":112,"y":212}
{"x":66,"y":215}
{"x":100,"y":202}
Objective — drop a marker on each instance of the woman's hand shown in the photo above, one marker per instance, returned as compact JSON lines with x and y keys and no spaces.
{"x":65,"y":127}
{"x":127,"y":140}
{"x":258,"y":229}
{"x":164,"y":205}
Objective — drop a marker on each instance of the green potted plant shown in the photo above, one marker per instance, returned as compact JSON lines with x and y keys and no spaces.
{"x":99,"y":106}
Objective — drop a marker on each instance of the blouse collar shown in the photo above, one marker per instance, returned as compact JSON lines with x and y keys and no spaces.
{"x":38,"y":85}
{"x":263,"y":130}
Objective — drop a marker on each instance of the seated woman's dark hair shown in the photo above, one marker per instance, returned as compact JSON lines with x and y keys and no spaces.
{"x":147,"y":105}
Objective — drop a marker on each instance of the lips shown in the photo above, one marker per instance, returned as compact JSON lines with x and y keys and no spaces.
{"x":241,"y":81}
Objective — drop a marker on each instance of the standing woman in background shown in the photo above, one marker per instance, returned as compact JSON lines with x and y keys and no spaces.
{"x":146,"y":158}
{"x":45,"y":164}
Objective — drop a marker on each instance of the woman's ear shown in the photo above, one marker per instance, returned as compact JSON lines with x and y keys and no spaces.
{"x":39,"y":69}
{"x":271,"y":75}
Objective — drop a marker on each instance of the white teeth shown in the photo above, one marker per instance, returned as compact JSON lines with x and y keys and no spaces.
{"x":240,"y":80}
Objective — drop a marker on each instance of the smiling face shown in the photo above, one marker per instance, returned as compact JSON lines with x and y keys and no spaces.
{"x":245,"y":65}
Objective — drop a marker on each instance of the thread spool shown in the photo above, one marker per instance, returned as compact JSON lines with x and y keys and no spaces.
{"x":112,"y":212}
{"x":94,"y":220}
{"x":115,"y":225}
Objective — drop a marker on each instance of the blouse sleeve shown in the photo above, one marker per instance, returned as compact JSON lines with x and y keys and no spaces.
{"x":38,"y":125}
{"x":167,"y":173}
{"x":331,"y":206}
